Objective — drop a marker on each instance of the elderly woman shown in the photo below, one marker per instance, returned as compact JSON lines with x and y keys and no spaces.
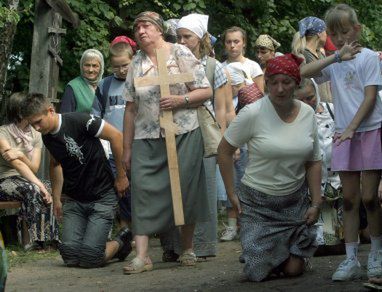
{"x":276,"y":215}
{"x":80,"y":92}
{"x":20,"y":149}
{"x":265,"y":47}
{"x":144,"y":142}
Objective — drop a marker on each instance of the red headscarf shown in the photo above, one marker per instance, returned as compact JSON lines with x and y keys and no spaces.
{"x":329,"y":46}
{"x":287,"y":64}
{"x":124,"y":39}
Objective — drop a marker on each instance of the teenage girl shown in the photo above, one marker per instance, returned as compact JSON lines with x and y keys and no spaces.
{"x":355,"y":76}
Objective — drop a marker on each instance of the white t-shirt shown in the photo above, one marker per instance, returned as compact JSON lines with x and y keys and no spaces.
{"x":250,"y":67}
{"x":348,"y":82}
{"x":277,"y":150}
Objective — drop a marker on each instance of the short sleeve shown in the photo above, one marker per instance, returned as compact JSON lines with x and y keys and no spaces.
{"x":256,"y":70}
{"x":316,"y":143}
{"x":220,"y":78}
{"x":129,"y":90}
{"x":37,"y":143}
{"x":240,"y":130}
{"x":91,"y":124}
{"x":188,"y":63}
{"x":371,"y":70}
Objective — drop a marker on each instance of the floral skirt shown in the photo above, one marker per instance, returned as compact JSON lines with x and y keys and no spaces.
{"x":272,"y":229}
{"x":39,"y":218}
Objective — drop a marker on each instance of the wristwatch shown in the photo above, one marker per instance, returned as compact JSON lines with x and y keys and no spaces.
{"x":187,"y":100}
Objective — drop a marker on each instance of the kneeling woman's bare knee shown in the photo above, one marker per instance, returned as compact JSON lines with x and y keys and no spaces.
{"x":293,"y":266}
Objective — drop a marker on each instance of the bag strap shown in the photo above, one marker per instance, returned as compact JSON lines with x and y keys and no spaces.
{"x":210,"y":74}
{"x":105,"y":90}
{"x":330,"y":110}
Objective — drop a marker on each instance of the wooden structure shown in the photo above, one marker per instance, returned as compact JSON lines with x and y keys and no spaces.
{"x":46,"y":60}
{"x":166,"y":122}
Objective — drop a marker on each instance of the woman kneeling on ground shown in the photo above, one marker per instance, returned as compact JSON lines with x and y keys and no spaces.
{"x":276,"y":215}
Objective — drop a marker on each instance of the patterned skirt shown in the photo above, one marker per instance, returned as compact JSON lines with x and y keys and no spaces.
{"x":272,"y":229}
{"x":39,"y":218}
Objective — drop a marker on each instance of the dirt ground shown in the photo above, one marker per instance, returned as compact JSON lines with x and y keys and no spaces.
{"x":223,"y":273}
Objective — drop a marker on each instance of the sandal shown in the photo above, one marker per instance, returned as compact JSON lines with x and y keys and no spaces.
{"x":188,"y":259}
{"x":136,"y":266}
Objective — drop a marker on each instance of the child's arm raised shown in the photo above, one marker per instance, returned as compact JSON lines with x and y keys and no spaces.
{"x":347,"y":52}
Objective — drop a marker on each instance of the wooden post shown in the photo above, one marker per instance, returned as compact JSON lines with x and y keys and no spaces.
{"x":166,"y":122}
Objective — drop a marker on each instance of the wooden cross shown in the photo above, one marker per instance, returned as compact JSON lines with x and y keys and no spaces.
{"x":166,"y":122}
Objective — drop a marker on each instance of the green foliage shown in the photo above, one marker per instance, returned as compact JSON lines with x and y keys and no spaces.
{"x":101,"y":20}
{"x":8,"y":16}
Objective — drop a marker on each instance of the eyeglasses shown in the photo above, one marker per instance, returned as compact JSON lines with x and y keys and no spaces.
{"x":310,"y":97}
{"x":121,"y":67}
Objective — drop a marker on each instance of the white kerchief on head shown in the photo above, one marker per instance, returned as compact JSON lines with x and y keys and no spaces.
{"x":197,"y":23}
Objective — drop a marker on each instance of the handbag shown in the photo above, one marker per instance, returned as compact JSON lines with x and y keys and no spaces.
{"x":210,"y":131}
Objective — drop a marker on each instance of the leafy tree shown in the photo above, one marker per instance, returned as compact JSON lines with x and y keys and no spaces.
{"x":101,"y":20}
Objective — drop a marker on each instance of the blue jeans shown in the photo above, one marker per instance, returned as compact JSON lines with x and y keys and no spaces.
{"x":124,"y":203}
{"x":85,"y":230}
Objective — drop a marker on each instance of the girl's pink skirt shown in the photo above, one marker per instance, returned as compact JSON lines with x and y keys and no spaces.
{"x":362,"y":152}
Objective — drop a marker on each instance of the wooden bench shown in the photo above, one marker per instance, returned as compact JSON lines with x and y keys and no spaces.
{"x":10,"y":205}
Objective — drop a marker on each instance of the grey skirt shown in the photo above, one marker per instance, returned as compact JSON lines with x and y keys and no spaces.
{"x":151,"y":201}
{"x":272,"y":229}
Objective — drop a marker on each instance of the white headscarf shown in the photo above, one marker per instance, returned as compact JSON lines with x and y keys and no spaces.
{"x":238,"y":74}
{"x":197,"y":23}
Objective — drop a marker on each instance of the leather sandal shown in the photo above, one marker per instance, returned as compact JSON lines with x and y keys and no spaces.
{"x":136,"y":266}
{"x":188,"y":259}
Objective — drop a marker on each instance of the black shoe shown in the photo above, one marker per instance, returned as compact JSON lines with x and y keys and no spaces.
{"x":169,"y":256}
{"x":124,"y":237}
{"x":241,"y":259}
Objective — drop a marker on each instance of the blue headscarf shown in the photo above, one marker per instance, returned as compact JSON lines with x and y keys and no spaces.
{"x":311,"y":26}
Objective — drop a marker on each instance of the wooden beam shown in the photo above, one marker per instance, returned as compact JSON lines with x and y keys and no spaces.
{"x":60,"y":6}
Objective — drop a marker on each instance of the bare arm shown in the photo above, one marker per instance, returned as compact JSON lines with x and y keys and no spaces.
{"x":220,"y":107}
{"x":33,"y":163}
{"x":25,"y":171}
{"x":128,"y":134}
{"x":57,"y":181}
{"x":230,"y":111}
{"x":313,"y":177}
{"x":313,"y":69}
{"x":225,"y":161}
{"x":114,"y":136}
{"x":259,"y":80}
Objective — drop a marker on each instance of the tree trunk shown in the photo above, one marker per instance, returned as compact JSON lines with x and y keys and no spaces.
{"x":6,"y":41}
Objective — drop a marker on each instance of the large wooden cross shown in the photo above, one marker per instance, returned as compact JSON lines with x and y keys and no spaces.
{"x":166,"y":122}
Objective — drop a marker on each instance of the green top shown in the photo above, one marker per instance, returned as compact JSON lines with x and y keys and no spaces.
{"x":83,"y":94}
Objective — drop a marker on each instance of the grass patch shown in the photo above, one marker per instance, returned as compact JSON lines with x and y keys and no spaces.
{"x":18,"y":256}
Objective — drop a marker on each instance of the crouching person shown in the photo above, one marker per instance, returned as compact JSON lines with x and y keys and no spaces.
{"x":80,"y":170}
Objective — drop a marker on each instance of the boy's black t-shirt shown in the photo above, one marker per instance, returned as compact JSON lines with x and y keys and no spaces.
{"x":87,"y":173}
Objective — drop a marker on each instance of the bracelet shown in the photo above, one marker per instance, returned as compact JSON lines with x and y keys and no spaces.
{"x":187,"y":100}
{"x":337,"y":57}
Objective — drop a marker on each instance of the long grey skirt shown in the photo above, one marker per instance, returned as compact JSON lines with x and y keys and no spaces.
{"x":152,"y":210}
{"x":272,"y":229}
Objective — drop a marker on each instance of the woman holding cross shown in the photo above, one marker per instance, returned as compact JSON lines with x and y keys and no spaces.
{"x":144,"y":143}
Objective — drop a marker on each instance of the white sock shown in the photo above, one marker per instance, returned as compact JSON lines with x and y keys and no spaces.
{"x":232,"y":222}
{"x":376,"y":243}
{"x":351,"y":249}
